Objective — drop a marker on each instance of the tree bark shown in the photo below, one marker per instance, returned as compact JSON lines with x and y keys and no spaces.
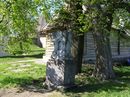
{"x":103,"y":69}
{"x":80,"y":53}
{"x":102,"y":26}
{"x":118,"y":43}
{"x":61,"y":67}
{"x":78,"y":11}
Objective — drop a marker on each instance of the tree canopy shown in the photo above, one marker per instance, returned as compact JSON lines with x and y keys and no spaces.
{"x":18,"y":21}
{"x":97,"y":16}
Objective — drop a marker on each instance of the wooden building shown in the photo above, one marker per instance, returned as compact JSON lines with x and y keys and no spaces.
{"x":120,"y":49}
{"x":89,"y":50}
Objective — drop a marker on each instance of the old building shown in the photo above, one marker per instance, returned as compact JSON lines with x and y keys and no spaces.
{"x":120,"y":49}
{"x":89,"y":50}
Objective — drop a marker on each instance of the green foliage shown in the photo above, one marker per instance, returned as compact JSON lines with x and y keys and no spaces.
{"x":18,"y":21}
{"x":22,"y":47}
{"x":121,"y":19}
{"x":70,"y":17}
{"x":18,"y":48}
{"x":100,"y":10}
{"x":17,"y":16}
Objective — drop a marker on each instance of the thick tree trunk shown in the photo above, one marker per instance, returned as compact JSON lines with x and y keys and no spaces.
{"x":102,"y":25}
{"x":80,"y":53}
{"x":61,"y":67}
{"x":103,"y":68}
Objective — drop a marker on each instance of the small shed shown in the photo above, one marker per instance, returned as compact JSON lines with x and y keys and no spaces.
{"x":89,"y":48}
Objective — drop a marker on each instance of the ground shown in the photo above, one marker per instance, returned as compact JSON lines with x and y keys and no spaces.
{"x":14,"y":92}
{"x":20,"y":78}
{"x":23,"y":77}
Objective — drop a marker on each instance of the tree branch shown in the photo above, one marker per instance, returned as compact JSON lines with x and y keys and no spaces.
{"x":123,"y":33}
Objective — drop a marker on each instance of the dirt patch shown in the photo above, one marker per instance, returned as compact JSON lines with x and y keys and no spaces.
{"x":15,"y":92}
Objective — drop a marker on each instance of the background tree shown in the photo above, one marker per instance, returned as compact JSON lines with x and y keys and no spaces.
{"x":18,"y":21}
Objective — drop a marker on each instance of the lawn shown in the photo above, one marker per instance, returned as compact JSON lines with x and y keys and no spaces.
{"x":34,"y":53}
{"x":29,"y":73}
{"x":91,"y":87}
{"x":21,"y":74}
{"x":17,"y":74}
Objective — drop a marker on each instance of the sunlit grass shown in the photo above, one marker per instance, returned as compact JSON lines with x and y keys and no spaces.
{"x":28,"y":73}
{"x":34,"y":53}
{"x":20,"y":74}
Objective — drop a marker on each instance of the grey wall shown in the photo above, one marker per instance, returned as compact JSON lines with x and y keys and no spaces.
{"x":89,"y":50}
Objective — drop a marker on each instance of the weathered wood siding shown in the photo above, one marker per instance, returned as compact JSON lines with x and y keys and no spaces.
{"x":89,"y":49}
{"x":49,"y":47}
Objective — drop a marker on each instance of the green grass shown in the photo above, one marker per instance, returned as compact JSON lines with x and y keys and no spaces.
{"x":91,"y":87}
{"x":21,"y":74}
{"x":34,"y":53}
{"x":16,"y":74}
{"x":24,"y":74}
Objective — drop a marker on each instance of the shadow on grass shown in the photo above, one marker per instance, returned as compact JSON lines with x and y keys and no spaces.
{"x":123,"y":71}
{"x":25,"y":56}
{"x":120,"y":83}
{"x":17,"y":81}
{"x":105,"y":86}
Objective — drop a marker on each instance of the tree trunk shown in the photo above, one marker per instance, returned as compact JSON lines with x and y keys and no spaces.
{"x":78,"y":11}
{"x":102,"y":25}
{"x":103,"y":68}
{"x":118,"y":43}
{"x":61,"y":67}
{"x":80,"y":53}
